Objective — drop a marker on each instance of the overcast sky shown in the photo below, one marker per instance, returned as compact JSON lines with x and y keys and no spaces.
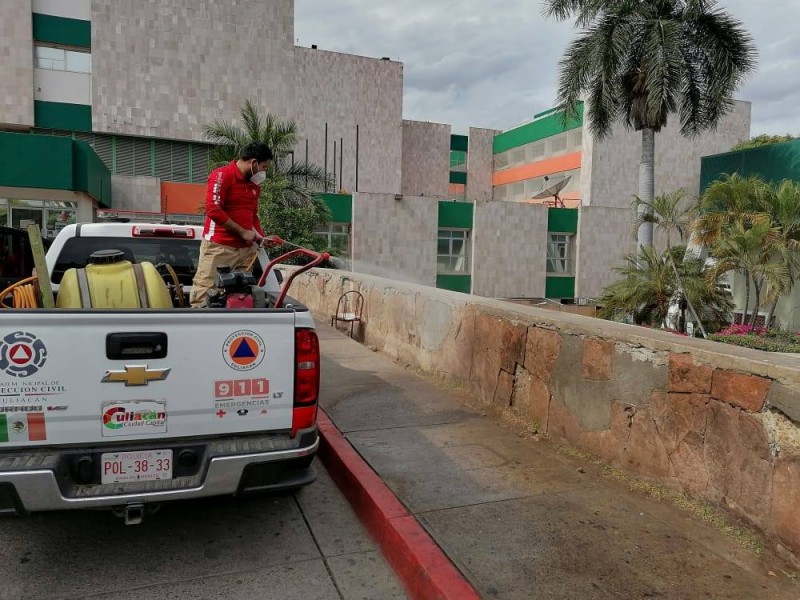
{"x":494,"y":64}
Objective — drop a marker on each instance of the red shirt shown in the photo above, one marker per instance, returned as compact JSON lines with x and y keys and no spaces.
{"x":230,"y":196}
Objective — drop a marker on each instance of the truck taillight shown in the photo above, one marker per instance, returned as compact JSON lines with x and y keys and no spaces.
{"x":306,"y":379}
{"x":169,"y":232}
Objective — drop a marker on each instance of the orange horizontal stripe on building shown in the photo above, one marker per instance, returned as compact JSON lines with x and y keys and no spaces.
{"x":557,"y":164}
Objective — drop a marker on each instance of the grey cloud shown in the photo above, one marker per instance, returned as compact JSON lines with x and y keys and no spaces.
{"x":482,"y":64}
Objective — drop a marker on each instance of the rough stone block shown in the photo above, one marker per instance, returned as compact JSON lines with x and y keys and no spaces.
{"x":531,"y":398}
{"x":597,"y":360}
{"x":785,"y":399}
{"x":513,"y":342}
{"x":738,"y":460}
{"x":504,"y":389}
{"x":784,"y":516}
{"x":562,"y":423}
{"x":644,"y":451}
{"x":746,"y":391}
{"x":541,"y":352}
{"x":684,"y":376}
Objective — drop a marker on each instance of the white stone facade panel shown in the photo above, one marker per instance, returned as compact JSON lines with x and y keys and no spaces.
{"x":509,"y":250}
{"x":395,"y":238}
{"x":185,"y":63}
{"x":426,"y":164}
{"x":605,"y":236}
{"x":614,"y":162}
{"x":16,"y":64}
{"x":480,"y":164}
{"x":136,"y":193}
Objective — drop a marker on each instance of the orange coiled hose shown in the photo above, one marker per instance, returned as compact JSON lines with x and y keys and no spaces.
{"x":24,"y":294}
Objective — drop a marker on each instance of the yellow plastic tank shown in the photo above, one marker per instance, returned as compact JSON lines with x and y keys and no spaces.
{"x":109,"y":281}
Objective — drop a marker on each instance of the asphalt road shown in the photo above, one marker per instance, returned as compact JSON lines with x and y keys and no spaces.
{"x":307,"y":545}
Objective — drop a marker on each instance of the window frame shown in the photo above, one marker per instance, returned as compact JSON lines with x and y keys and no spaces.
{"x":567,"y":261}
{"x":64,"y":60}
{"x":465,"y":255}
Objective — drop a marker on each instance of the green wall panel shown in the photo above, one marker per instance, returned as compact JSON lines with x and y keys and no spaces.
{"x":60,"y":115}
{"x":454,"y":283}
{"x":457,"y":157}
{"x":458,"y":177}
{"x":39,"y":161}
{"x":459,"y":142}
{"x":455,"y":214}
{"x":90,"y":174}
{"x":341,"y":207}
{"x":62,"y":31}
{"x":70,"y":165}
{"x":773,"y":163}
{"x":539,"y":129}
{"x":559,"y":287}
{"x":562,"y":220}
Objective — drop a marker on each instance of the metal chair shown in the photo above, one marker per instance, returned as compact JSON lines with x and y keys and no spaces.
{"x":349,"y":309}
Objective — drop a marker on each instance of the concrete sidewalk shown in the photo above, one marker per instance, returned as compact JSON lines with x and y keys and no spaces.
{"x":518,"y":518}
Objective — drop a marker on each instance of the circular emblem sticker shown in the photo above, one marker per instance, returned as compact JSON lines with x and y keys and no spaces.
{"x":243,"y":350}
{"x":22,"y":354}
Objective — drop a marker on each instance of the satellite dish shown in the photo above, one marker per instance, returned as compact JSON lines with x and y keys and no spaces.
{"x":552,"y":189}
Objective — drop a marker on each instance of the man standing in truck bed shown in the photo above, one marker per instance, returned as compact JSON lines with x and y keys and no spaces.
{"x":232,"y":231}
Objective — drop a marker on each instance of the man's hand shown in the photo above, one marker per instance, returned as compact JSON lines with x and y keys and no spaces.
{"x":248,"y":236}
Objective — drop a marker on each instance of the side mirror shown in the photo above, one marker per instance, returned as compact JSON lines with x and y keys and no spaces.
{"x":279,"y":275}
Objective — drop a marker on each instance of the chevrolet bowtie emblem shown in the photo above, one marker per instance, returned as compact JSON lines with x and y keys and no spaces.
{"x":135,"y":375}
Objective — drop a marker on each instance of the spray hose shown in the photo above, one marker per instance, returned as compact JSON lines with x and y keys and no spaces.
{"x":24,"y":294}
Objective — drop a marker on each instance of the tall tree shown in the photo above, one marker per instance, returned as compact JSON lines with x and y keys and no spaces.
{"x":638,"y":61}
{"x":672,"y":213}
{"x":289,"y":205}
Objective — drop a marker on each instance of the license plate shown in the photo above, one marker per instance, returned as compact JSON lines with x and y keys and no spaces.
{"x":146,"y":465}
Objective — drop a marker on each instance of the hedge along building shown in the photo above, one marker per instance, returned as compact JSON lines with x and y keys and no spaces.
{"x":119,"y":91}
{"x":773,"y":163}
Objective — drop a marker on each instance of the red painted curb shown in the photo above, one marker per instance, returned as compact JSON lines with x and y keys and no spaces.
{"x":421,"y":565}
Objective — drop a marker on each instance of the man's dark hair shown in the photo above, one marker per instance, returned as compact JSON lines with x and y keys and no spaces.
{"x":258,"y":150}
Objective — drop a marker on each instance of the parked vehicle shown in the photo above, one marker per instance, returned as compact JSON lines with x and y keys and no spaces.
{"x":123,"y":398}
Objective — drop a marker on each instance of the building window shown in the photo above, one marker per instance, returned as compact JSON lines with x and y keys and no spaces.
{"x":50,"y":215}
{"x":452,"y":255}
{"x":61,"y":59}
{"x":337,"y":239}
{"x":560,"y":254}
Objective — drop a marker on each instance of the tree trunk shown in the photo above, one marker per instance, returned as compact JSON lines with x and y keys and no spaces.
{"x":771,"y":314}
{"x":683,"y":293}
{"x":757,"y":290}
{"x":646,"y":184}
{"x":746,"y":297}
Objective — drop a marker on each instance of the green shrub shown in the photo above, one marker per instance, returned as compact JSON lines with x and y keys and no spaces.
{"x":773,"y":341}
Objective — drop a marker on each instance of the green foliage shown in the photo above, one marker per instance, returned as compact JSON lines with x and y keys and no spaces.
{"x":762,"y":140}
{"x":289,"y":205}
{"x":772,"y":341}
{"x":637,"y":62}
{"x":649,"y":286}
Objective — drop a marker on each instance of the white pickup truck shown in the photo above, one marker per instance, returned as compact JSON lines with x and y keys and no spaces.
{"x":127,"y":408}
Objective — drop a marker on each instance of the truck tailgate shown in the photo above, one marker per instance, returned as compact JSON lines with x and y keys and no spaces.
{"x":112,"y":377}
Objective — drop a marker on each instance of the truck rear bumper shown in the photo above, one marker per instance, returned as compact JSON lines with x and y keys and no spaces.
{"x":38,"y":489}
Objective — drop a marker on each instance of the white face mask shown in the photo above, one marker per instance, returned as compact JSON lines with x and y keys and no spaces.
{"x":258,"y":178}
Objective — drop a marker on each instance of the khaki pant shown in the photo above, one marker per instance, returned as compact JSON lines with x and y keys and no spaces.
{"x":214,"y":255}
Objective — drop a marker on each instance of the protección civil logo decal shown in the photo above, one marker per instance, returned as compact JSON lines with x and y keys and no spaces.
{"x":22,"y":354}
{"x":243,"y":350}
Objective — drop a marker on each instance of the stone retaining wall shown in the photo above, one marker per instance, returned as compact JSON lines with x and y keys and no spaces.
{"x":714,"y":420}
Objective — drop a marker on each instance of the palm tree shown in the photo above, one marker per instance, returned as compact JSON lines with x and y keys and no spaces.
{"x":649,"y":286}
{"x":736,"y":204}
{"x":638,"y":62}
{"x":784,"y":210}
{"x":291,"y":187}
{"x":750,"y":251}
{"x":672,"y":213}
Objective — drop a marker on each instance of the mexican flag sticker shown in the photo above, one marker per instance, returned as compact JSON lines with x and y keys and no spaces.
{"x":23,"y":427}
